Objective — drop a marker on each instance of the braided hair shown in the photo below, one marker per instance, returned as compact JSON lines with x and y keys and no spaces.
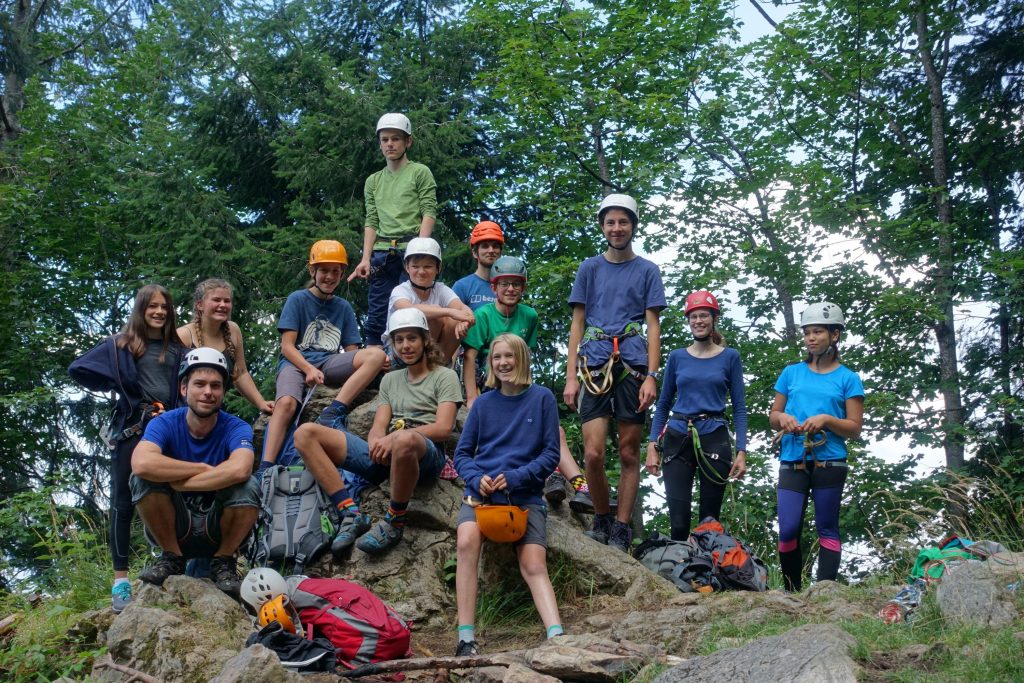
{"x":202,"y":289}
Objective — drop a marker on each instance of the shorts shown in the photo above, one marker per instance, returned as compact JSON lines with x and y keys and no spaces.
{"x":337,"y":369}
{"x":197,"y":516}
{"x":536,"y":524}
{"x":357,"y":461}
{"x":620,"y":402}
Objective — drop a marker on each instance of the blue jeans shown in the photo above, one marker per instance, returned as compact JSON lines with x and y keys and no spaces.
{"x":357,"y":461}
{"x":386,"y":271}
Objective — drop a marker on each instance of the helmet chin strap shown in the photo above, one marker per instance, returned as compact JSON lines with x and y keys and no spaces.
{"x":702,"y":339}
{"x":421,"y":288}
{"x":317,"y":286}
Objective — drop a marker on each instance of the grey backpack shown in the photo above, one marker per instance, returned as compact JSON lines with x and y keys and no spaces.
{"x":683,"y":563}
{"x":297,"y":521}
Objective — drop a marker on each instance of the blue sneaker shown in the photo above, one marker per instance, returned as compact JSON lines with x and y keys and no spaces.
{"x":383,"y":537}
{"x":121,"y":595}
{"x":340,"y":422}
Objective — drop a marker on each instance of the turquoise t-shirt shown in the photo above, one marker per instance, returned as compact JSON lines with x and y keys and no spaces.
{"x":809,"y":393}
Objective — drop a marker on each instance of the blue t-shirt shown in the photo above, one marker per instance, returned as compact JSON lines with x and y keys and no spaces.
{"x":700,"y":385}
{"x":324,"y":327}
{"x":614,"y":295}
{"x":169,"y":432}
{"x":474,"y":291}
{"x":517,"y":435}
{"x":809,"y":393}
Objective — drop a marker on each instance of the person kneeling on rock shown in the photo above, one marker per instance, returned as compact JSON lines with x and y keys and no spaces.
{"x":416,"y":415}
{"x":508,"y":447}
{"x":191,"y":478}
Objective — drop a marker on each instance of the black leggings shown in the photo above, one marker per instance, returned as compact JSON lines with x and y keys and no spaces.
{"x":121,"y":508}
{"x":679,"y":464}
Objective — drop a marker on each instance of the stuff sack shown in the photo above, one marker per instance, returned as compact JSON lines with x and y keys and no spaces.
{"x":296,"y":523}
{"x":735,"y":565}
{"x":361,"y":628}
{"x":683,"y":563}
{"x":295,"y":652}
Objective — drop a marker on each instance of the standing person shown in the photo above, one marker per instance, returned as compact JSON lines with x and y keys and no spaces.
{"x":689,"y":419}
{"x":211,"y":326}
{"x":819,"y":404}
{"x":486,"y":243}
{"x":401,"y":203}
{"x":509,"y":445}
{"x":319,"y":344}
{"x":416,"y":415}
{"x":614,"y":294}
{"x":139,"y":364}
{"x":196,"y":463}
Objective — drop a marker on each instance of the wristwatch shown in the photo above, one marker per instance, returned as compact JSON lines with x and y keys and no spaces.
{"x":655,"y":375}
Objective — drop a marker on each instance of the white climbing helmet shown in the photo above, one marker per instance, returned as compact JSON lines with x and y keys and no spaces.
{"x":260,"y":585}
{"x":423,"y":246}
{"x":823,"y":313}
{"x":203,"y":357}
{"x":396,"y":121}
{"x":619,"y":201}
{"x":406,"y":318}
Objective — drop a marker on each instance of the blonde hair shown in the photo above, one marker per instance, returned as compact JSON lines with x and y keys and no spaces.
{"x":204,"y":288}
{"x":521,"y":354}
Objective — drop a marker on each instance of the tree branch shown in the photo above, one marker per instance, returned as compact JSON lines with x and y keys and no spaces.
{"x":77,"y":46}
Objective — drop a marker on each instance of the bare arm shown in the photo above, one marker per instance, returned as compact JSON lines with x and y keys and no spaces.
{"x":649,"y":387}
{"x":245,"y":383}
{"x":778,"y":418}
{"x":235,"y":470}
{"x":152,"y":465}
{"x":426,"y":226}
{"x":441,"y":429}
{"x":572,"y":384}
{"x":292,"y":353}
{"x":847,"y":427}
{"x":434,"y":312}
{"x":362,"y":269}
{"x":469,"y":356}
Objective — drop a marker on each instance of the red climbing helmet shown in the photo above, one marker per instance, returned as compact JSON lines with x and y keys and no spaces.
{"x":701,"y":299}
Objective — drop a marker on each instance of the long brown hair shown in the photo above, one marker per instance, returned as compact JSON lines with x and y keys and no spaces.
{"x":202,"y":289}
{"x":135,"y":334}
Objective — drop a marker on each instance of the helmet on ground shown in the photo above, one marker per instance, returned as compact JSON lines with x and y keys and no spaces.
{"x":262,"y":584}
{"x":396,"y":121}
{"x":486,"y":230}
{"x":203,"y":357}
{"x":328,"y":251}
{"x":423,"y":246}
{"x":277,"y":610}
{"x":701,"y":299}
{"x":823,"y":313}
{"x":508,"y":266}
{"x":501,"y":523}
{"x":619,"y":201}
{"x":407,"y":318}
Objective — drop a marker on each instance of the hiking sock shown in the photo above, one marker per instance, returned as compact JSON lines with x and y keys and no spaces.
{"x":344,"y":502}
{"x":555,"y":630}
{"x":792,"y":567}
{"x":467,"y":633}
{"x":828,"y":564}
{"x":579,"y":483}
{"x":396,"y":514}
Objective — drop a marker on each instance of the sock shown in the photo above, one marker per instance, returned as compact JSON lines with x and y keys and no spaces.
{"x":828,"y":564}
{"x":344,"y":502}
{"x":396,"y":513}
{"x":467,"y":634}
{"x":120,"y":581}
{"x":792,"y":568}
{"x":555,"y":630}
{"x":579,"y":483}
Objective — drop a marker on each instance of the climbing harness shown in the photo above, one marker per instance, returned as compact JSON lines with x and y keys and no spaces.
{"x":599,"y":381}
{"x":149,"y":411}
{"x":703,"y":459}
{"x":393,"y":247}
{"x":810,"y":444}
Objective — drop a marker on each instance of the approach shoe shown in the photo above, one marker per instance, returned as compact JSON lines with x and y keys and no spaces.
{"x":582,"y":503}
{"x":352,"y":527}
{"x":224,"y":574}
{"x":381,"y":538}
{"x":168,"y":564}
{"x":621,"y":537}
{"x":600,"y":529}
{"x":554,"y":488}
{"x":467,"y":648}
{"x":121,"y":595}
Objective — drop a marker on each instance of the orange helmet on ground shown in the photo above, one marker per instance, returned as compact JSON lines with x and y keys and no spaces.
{"x":328,"y":251}
{"x":701,"y":299}
{"x":277,"y":610}
{"x":501,"y":523}
{"x":486,"y":230}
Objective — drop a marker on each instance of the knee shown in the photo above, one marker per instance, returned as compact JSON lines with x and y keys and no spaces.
{"x":629,"y":458}
{"x":533,"y":567}
{"x":593,"y":458}
{"x":406,"y":447}
{"x":468,"y":543}
{"x":284,"y":408}
{"x":304,"y":437}
{"x":373,"y":356}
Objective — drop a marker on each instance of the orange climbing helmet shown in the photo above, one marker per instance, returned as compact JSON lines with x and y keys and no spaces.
{"x":328,"y":251}
{"x":277,"y":609}
{"x":486,"y":230}
{"x":501,"y":523}
{"x":701,"y":299}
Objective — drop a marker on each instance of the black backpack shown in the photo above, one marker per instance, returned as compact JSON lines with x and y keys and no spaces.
{"x":297,"y":521}
{"x":691,"y":569}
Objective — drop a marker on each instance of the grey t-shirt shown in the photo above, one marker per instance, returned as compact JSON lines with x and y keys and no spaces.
{"x":154,"y":376}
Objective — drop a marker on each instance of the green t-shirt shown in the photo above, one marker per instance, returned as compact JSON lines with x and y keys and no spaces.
{"x":418,"y":402}
{"x":397,"y":202}
{"x":490,"y":322}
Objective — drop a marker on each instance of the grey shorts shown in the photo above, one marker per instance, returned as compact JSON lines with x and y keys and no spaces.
{"x":536,"y":523}
{"x":197,"y":516}
{"x":337,"y":369}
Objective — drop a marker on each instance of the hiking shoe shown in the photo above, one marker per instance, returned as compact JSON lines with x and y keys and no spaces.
{"x":381,"y":538}
{"x":334,"y":418}
{"x":352,"y":527}
{"x":554,"y":489}
{"x":224,"y":574}
{"x":168,"y":564}
{"x":581,"y":502}
{"x":121,"y":595}
{"x":621,"y":537}
{"x":600,"y":529}
{"x":467,"y":648}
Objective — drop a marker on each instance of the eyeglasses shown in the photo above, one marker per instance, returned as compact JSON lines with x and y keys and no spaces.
{"x":510,"y":284}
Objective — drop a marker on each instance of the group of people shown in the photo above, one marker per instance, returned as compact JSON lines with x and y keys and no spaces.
{"x":187,"y":465}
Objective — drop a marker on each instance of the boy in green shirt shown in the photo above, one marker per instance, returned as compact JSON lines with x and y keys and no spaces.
{"x":401,"y":203}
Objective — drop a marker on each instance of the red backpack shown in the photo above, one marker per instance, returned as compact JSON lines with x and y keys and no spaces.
{"x":362,"y":629}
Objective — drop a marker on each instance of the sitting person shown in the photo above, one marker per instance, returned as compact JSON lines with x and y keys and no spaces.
{"x":194,"y":461}
{"x":509,"y":445}
{"x":416,"y":415}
